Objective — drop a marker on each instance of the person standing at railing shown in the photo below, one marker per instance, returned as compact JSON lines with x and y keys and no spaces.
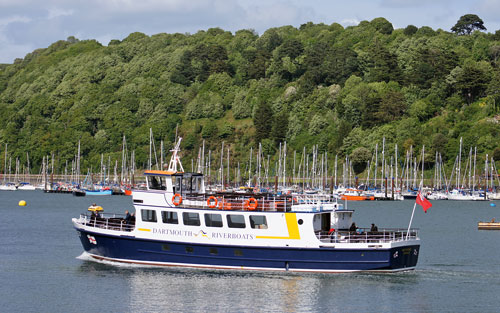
{"x":374,"y":228}
{"x":353,"y":227}
{"x":128,"y":220}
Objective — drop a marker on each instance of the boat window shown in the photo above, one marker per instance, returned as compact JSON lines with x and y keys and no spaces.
{"x":176,"y":180}
{"x":235,"y":221}
{"x":186,"y":185}
{"x":156,"y":182}
{"x":169,"y":217}
{"x":258,"y":221}
{"x":196,"y":184}
{"x":148,"y":216}
{"x":191,"y":219}
{"x":213,"y":220}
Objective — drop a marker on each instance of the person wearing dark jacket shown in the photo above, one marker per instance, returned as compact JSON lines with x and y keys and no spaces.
{"x":353,"y":227}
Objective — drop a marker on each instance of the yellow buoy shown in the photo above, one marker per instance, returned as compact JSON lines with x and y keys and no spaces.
{"x":22,"y":203}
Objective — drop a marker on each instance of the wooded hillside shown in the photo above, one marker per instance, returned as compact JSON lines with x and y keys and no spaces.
{"x":326,"y":85}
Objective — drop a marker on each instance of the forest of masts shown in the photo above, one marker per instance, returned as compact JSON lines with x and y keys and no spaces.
{"x":299,"y":170}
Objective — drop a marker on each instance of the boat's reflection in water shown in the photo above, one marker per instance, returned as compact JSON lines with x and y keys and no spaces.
{"x":198,"y":290}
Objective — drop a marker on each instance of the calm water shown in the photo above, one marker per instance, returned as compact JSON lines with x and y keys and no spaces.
{"x":458,"y":269}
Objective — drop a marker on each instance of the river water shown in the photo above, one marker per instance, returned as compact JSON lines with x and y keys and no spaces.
{"x":42,"y":268}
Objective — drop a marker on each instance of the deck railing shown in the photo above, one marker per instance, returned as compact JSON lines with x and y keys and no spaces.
{"x":364,"y":235}
{"x":237,"y":202}
{"x":107,"y":221}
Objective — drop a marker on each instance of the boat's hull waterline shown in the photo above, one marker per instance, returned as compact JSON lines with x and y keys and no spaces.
{"x":127,"y":249}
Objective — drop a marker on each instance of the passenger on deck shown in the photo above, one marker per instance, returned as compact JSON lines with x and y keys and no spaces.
{"x":127,"y":217}
{"x":128,"y":220}
{"x":92,"y":208}
{"x":95,"y":210}
{"x":353,"y":227}
{"x":374,"y":228}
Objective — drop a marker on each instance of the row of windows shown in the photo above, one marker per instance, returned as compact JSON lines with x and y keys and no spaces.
{"x":211,"y":219}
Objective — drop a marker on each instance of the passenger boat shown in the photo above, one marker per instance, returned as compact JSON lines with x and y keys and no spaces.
{"x":178,"y":224}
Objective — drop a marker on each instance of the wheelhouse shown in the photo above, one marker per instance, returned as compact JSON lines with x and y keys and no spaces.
{"x":178,"y":183}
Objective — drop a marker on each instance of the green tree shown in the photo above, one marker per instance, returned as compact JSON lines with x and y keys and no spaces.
{"x":359,"y":158}
{"x":467,"y":24}
{"x":263,"y":121}
{"x":280,"y":127}
{"x":472,"y":82}
{"x":382,"y":25}
{"x":410,"y":30}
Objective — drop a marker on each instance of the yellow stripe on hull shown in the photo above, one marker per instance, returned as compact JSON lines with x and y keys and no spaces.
{"x":291,"y":224}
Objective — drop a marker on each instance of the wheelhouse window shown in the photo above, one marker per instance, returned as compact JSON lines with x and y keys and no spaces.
{"x":213,"y":220}
{"x":156,"y":182}
{"x":235,"y":221}
{"x":191,"y":219}
{"x":177,"y":182}
{"x":258,"y":221}
{"x":148,"y":216}
{"x":169,"y":217}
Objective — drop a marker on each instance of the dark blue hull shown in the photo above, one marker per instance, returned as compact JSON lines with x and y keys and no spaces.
{"x":163,"y":253}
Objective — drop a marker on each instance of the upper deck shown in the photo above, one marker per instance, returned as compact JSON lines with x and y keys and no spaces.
{"x":240,"y":202}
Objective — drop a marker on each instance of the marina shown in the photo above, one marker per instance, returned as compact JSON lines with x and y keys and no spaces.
{"x":451,"y":275}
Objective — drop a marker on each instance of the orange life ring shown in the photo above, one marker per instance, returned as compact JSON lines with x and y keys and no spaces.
{"x":175,"y":197}
{"x":251,"y":204}
{"x":210,"y":203}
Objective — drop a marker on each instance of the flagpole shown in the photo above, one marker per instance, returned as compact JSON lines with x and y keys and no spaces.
{"x":418,"y":195}
{"x":411,"y":219}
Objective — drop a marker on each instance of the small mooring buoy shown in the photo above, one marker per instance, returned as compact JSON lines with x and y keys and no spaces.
{"x":22,"y":203}
{"x":493,"y":205}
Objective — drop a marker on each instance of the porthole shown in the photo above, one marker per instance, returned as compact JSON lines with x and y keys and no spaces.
{"x":300,"y":221}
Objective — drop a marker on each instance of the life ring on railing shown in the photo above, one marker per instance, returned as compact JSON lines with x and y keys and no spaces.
{"x":177,"y":199}
{"x":251,"y":204}
{"x":210,"y":203}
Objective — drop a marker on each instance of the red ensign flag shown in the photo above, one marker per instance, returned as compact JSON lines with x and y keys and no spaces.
{"x":423,"y":202}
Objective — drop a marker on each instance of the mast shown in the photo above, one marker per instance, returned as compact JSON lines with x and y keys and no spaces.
{"x":5,"y":166}
{"x":151,"y":147}
{"x":250,"y":169}
{"x":459,"y":163}
{"x":222,"y":166}
{"x":376,"y":164}
{"x":383,"y":163}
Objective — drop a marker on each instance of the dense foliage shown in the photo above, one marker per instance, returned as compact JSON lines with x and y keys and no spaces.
{"x":339,"y":88}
